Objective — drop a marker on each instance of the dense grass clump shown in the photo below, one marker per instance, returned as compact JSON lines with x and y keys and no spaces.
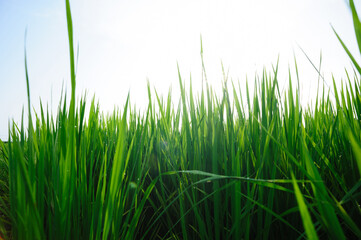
{"x":259,"y":167}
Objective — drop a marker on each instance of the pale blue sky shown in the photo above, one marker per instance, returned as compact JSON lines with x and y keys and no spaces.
{"x":124,"y":43}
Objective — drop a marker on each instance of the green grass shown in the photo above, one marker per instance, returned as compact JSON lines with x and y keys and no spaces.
{"x":258,"y":166}
{"x":4,"y":188}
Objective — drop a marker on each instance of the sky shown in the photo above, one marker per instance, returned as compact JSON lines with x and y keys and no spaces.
{"x":123,"y":44}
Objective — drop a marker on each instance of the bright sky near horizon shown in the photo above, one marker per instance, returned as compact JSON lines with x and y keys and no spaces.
{"x":124,"y":43}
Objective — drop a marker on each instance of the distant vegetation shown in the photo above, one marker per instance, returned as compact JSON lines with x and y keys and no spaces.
{"x":259,"y":167}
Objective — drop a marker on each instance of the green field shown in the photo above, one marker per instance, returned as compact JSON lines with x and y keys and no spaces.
{"x":258,"y":166}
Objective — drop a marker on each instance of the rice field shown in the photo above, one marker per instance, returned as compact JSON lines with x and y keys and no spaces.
{"x":258,"y":166}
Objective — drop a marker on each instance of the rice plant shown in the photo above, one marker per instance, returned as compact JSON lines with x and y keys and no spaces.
{"x":258,"y":166}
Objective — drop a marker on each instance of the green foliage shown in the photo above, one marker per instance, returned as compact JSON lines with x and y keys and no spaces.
{"x":210,"y":168}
